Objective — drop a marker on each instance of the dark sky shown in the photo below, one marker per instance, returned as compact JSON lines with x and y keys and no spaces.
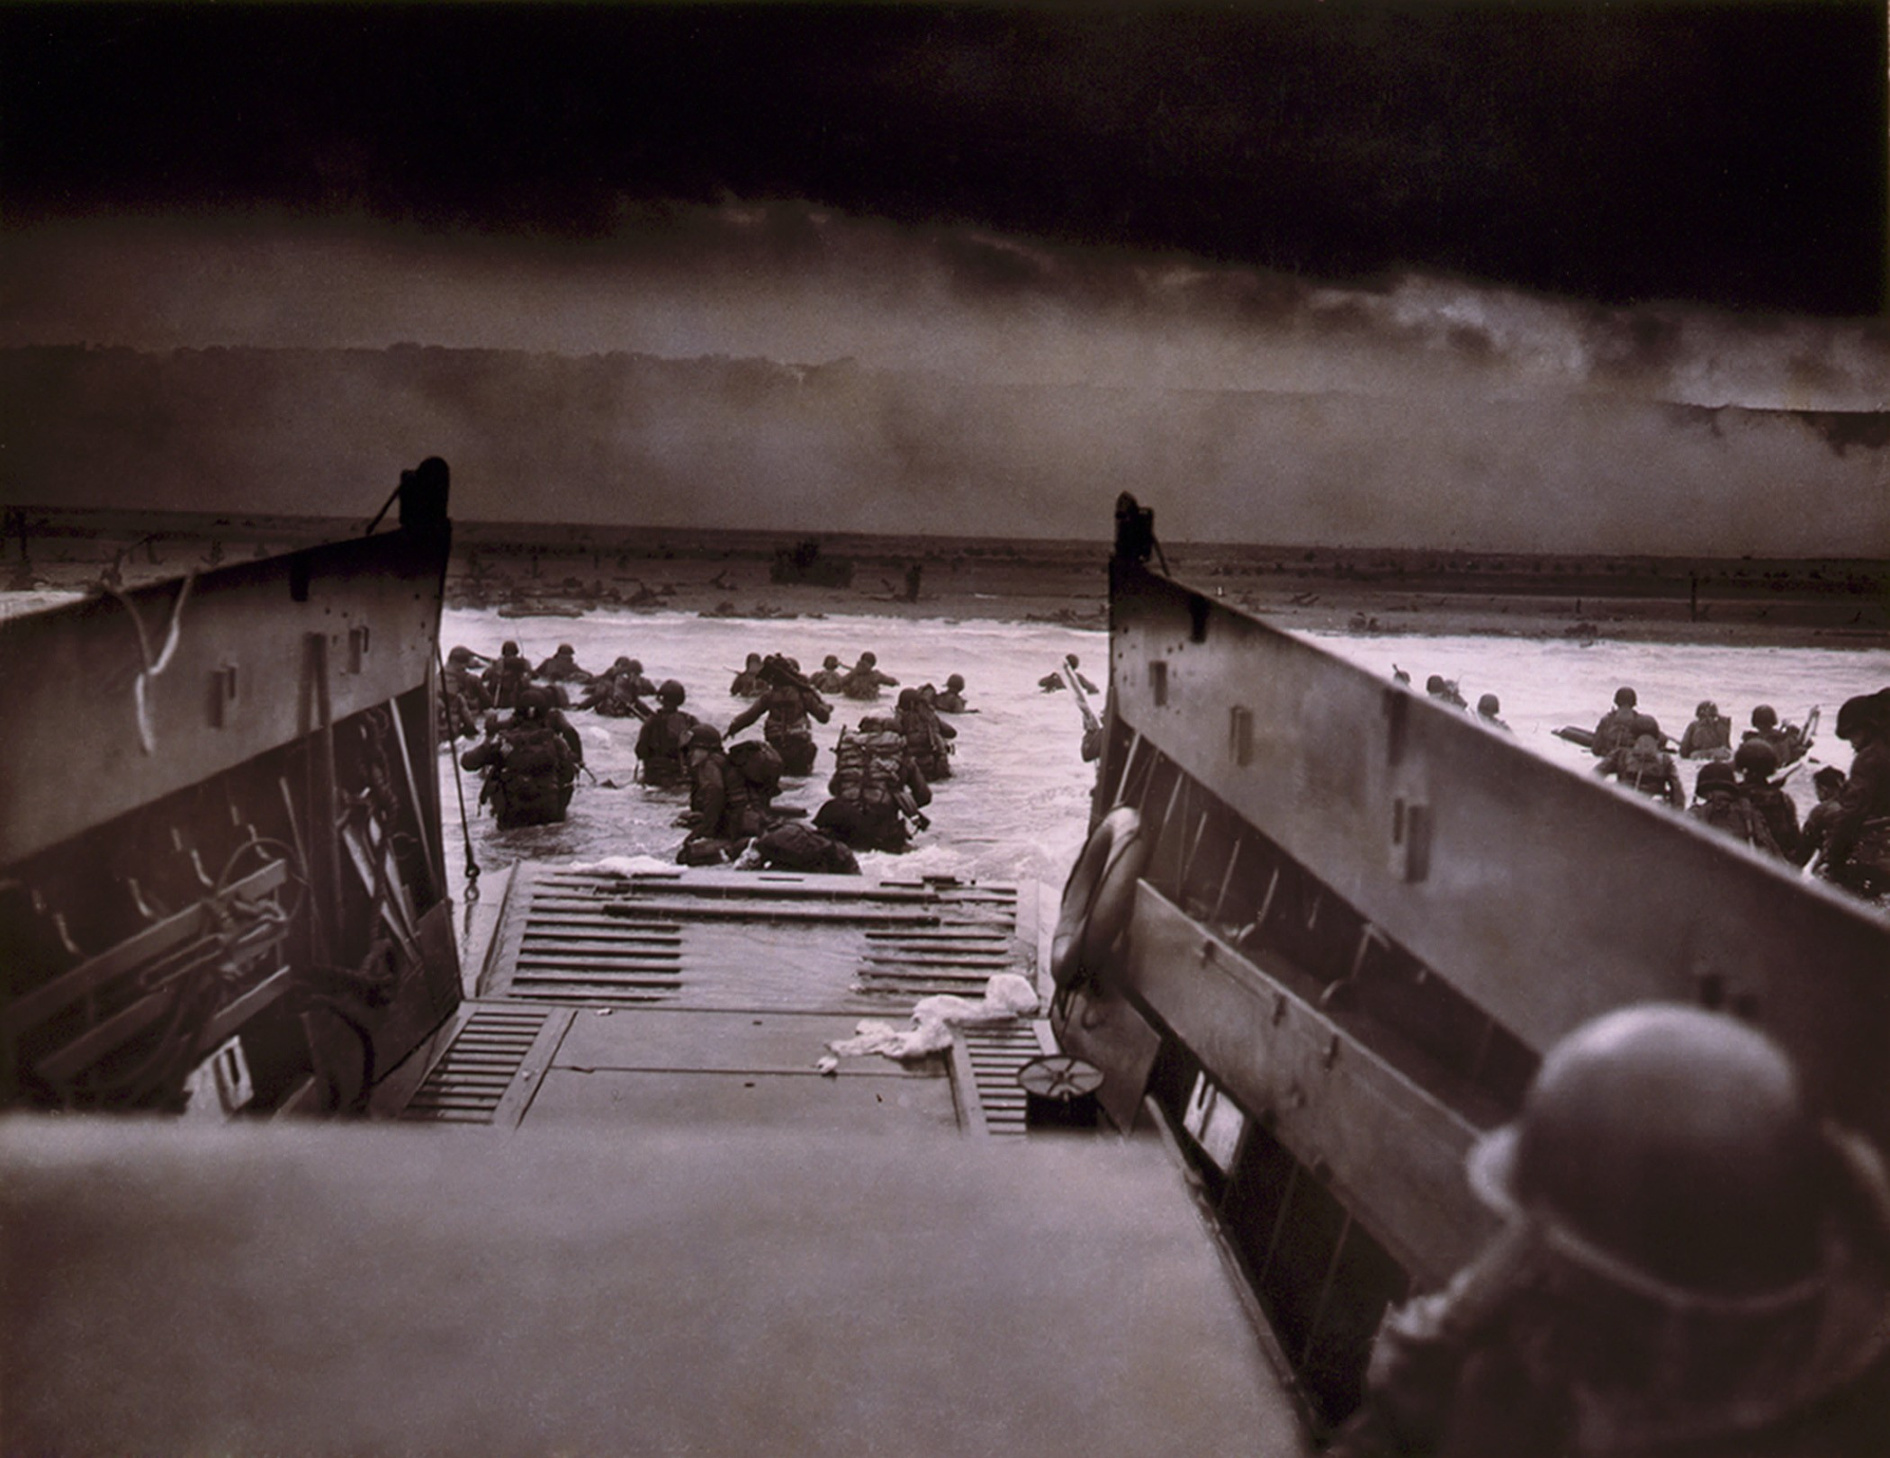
{"x":1727,"y":154}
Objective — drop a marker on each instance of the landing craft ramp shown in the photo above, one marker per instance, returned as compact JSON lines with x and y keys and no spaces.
{"x":655,"y":1227}
{"x":710,"y":996}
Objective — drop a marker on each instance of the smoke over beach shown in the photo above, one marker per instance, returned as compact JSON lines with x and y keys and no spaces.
{"x":1536,"y":281}
{"x":788,"y":369}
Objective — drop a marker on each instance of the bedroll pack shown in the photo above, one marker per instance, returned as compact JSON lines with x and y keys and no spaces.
{"x":1733,"y":815}
{"x":757,"y":762}
{"x":868,"y":766}
{"x":797,"y":847}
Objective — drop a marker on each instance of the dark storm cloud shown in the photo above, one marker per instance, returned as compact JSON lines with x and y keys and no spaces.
{"x":1620,"y":153}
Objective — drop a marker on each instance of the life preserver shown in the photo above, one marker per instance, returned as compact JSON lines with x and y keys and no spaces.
{"x":1098,"y":896}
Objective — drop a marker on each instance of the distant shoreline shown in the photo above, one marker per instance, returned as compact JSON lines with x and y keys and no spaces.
{"x":558,"y":571}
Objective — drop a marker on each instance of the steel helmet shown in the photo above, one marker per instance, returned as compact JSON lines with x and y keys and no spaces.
{"x":1489,"y":704}
{"x":955,"y":682}
{"x":672,"y":693}
{"x":868,"y":659}
{"x":1719,"y":773}
{"x":1755,"y":756}
{"x":705,"y":736}
{"x":758,"y":761}
{"x":1667,"y":1150}
{"x":1626,"y":697}
{"x":1865,"y":711}
{"x":534,"y":703}
{"x":1707,"y":709}
{"x":832,"y":660}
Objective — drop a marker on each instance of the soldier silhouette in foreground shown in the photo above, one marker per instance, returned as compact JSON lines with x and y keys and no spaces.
{"x":1690,"y":1263}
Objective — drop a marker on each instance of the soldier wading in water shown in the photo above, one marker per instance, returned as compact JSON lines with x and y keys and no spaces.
{"x":788,"y":700}
{"x":529,"y":768}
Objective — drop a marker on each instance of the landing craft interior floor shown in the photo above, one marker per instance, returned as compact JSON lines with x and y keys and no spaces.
{"x":694,"y":1252}
{"x":708,"y":998}
{"x":392,"y":1289}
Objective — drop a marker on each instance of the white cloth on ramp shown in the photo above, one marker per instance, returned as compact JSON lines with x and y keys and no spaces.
{"x":1006,"y":996}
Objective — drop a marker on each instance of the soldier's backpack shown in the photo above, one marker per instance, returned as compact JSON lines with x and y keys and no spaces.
{"x":531,"y":753}
{"x":869,"y":764}
{"x":798,"y":847}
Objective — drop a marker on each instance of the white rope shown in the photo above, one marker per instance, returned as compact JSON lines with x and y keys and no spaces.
{"x":151,"y":669}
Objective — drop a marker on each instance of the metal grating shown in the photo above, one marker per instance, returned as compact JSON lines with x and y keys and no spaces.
{"x":573,"y":951}
{"x":972,"y":940}
{"x":717,"y":938}
{"x":995,"y":1053}
{"x":479,"y":1066}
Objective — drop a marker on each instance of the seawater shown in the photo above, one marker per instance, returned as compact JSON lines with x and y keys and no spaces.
{"x":1015,"y":809}
{"x":1016,"y":806}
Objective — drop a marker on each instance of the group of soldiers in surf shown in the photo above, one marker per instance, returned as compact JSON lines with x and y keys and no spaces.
{"x":883,"y":774}
{"x":884,"y":767}
{"x":1489,"y":708}
{"x":1740,"y":789}
{"x":528,"y":763}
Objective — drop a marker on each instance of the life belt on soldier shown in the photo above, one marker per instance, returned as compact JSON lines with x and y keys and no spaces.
{"x":1098,"y":897}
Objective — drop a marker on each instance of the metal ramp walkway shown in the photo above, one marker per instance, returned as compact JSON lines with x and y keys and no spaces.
{"x":709,"y":996}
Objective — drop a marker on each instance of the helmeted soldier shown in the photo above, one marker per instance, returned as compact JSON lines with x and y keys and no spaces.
{"x":529,"y":769}
{"x":1828,"y":783}
{"x":631,"y":671}
{"x":561,"y":667}
{"x":1709,"y":736}
{"x":1489,"y":714}
{"x":926,"y":740}
{"x":1718,"y":803}
{"x":749,"y":683}
{"x":789,"y":701}
{"x":830,"y":676}
{"x":1755,"y":759}
{"x":462,"y":696}
{"x":952,"y":701}
{"x":1645,"y":768}
{"x":507,"y":677}
{"x":864,"y":680}
{"x":724,"y":810}
{"x":1439,"y":687}
{"x":1690,"y":1263}
{"x":1622,"y":725}
{"x":1788,"y":741}
{"x":875,"y":789}
{"x":1857,"y":850}
{"x":1052,"y":681}
{"x":663,"y":742}
{"x":618,"y":691}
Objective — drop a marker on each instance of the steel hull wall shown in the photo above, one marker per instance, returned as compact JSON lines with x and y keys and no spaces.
{"x":266,"y":652}
{"x":1542,"y":897}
